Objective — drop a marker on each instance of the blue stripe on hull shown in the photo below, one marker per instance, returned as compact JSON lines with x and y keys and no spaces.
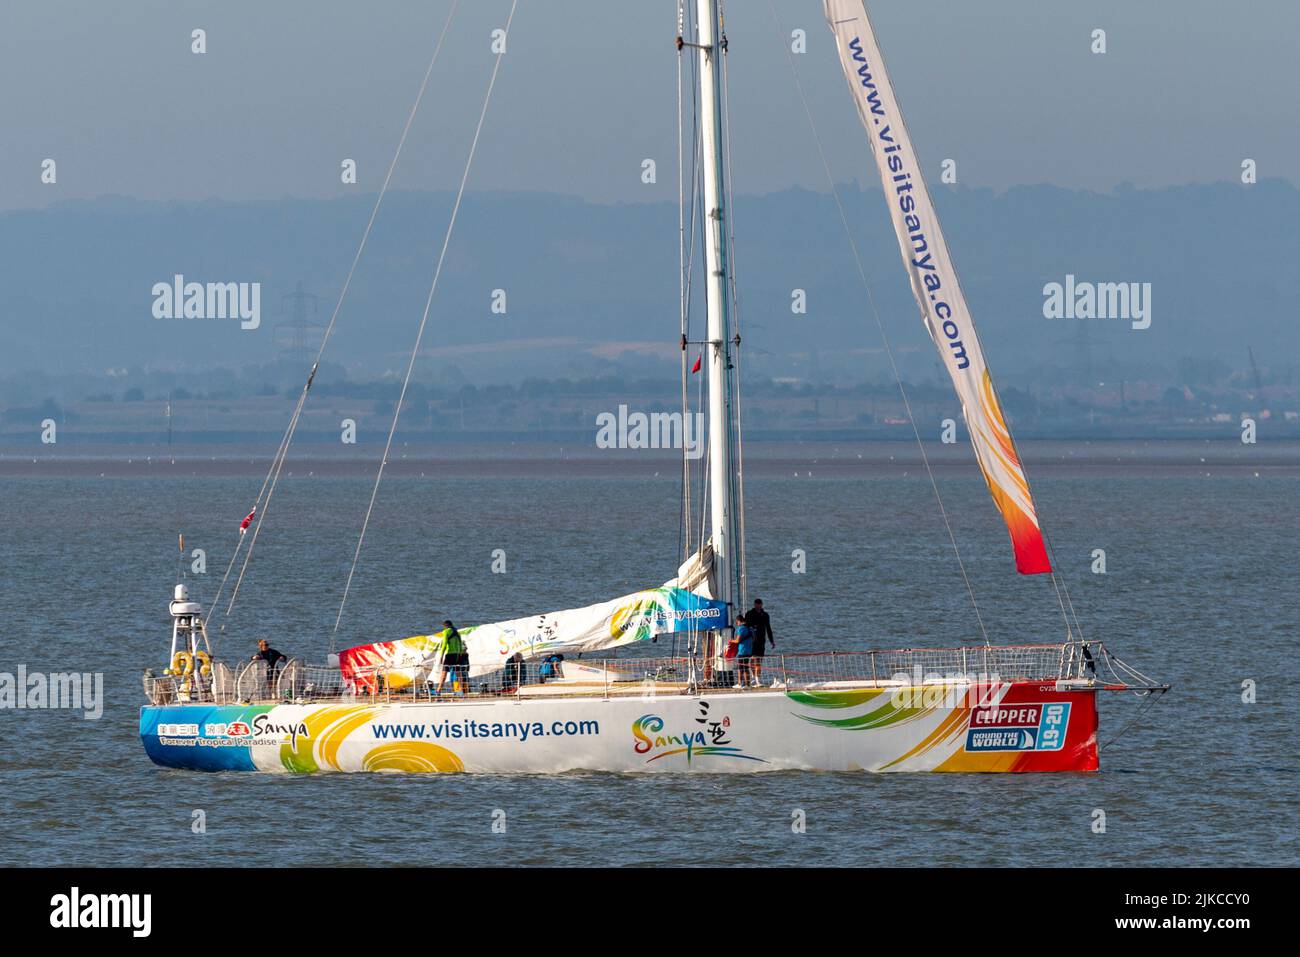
{"x":230,"y":756}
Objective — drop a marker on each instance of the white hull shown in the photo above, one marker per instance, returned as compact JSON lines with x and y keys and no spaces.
{"x":1020,"y":726}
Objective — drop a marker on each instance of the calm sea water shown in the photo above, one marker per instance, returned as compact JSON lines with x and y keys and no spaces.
{"x":1200,"y":590}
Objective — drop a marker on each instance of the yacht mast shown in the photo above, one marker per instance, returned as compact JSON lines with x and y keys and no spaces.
{"x":722,"y":499}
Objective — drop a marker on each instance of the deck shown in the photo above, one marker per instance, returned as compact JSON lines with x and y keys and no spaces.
{"x":1076,"y":664}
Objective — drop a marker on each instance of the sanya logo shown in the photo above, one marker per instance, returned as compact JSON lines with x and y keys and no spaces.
{"x":544,"y":633}
{"x":657,"y":430}
{"x":263,"y":726}
{"x":710,"y":739}
{"x":214,"y":300}
{"x":507,"y":643}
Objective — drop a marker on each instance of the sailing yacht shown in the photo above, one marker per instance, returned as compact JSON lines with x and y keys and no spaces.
{"x":573,"y":689}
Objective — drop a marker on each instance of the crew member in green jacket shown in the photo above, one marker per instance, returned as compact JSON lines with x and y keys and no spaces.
{"x":455,"y":659}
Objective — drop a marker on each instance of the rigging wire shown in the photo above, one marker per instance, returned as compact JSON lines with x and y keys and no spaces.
{"x":857,"y":258}
{"x":684,"y":504}
{"x":1151,"y":696}
{"x":698,"y":226}
{"x":1063,"y":589}
{"x":424,"y":320}
{"x":704,"y":472}
{"x":687,"y":281}
{"x":738,"y":467}
{"x":277,"y":464}
{"x":703,"y":494}
{"x":257,"y":503}
{"x":698,"y":231}
{"x":1150,"y":690}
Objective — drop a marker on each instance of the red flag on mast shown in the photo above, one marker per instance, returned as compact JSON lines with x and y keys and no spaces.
{"x":243,"y":526}
{"x":698,"y":359}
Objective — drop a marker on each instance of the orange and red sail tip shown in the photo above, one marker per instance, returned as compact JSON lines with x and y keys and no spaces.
{"x":1006,"y":480}
{"x":1031,"y":557}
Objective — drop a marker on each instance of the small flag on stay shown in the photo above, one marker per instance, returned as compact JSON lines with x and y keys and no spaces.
{"x":243,"y":526}
{"x":698,"y":359}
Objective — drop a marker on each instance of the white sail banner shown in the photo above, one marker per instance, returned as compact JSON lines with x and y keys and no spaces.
{"x":934,"y":281}
{"x":609,"y":624}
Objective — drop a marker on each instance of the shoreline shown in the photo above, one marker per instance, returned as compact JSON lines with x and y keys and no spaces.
{"x":1157,"y":458}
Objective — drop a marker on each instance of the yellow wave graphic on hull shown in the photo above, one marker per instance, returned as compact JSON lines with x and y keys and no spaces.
{"x":412,"y":756}
{"x":326,"y":729}
{"x":952,"y":725}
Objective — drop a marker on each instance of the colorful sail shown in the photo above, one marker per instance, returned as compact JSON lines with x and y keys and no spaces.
{"x":609,"y":624}
{"x":403,"y":662}
{"x":934,"y":280}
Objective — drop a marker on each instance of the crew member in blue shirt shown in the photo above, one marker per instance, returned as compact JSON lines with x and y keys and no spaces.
{"x":744,"y":651}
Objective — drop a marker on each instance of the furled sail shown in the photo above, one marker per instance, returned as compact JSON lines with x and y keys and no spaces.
{"x":696,"y":573}
{"x":636,"y":617}
{"x":934,"y":281}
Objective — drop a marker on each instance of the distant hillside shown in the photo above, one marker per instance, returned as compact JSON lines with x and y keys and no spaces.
{"x":592,"y":289}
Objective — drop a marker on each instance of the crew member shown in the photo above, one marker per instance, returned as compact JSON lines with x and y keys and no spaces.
{"x":744,"y":651}
{"x":761,"y":625}
{"x":272,"y":658}
{"x":455,"y":658}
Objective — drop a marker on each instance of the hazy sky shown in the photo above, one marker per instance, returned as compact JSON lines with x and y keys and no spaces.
{"x":290,"y":88}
